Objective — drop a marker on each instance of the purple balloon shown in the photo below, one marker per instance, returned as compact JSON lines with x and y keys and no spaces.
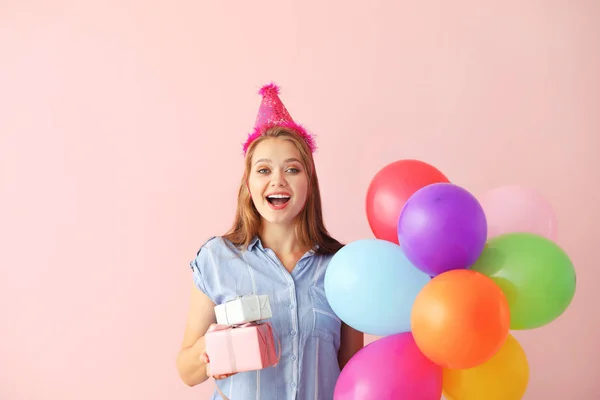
{"x":442,"y":227}
{"x":390,"y":368}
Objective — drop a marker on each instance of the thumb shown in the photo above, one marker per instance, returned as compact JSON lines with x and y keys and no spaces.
{"x":204,"y":358}
{"x":206,"y":361}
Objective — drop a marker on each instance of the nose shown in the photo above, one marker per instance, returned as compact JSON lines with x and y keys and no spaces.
{"x":278,"y":180}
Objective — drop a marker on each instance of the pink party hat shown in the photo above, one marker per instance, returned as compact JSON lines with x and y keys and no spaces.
{"x":273,"y":113}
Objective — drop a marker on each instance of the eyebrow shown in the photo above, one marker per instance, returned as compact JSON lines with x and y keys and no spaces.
{"x":267,"y":160}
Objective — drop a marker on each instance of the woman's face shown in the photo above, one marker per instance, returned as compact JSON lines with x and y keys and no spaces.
{"x":278,"y":182}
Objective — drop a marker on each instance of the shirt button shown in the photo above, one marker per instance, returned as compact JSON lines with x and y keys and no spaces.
{"x":293,"y":358}
{"x":291,"y":306}
{"x":293,"y":333}
{"x":293,"y":384}
{"x":290,"y":283}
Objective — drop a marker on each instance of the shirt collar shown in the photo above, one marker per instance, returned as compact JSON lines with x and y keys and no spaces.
{"x":257,"y":242}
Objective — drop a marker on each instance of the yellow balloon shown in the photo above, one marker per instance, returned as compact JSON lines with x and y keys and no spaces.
{"x":503,"y":377}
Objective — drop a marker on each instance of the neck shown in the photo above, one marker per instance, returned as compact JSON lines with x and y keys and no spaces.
{"x":280,"y":238}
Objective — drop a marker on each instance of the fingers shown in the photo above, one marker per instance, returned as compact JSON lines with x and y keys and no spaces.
{"x":224,"y":376}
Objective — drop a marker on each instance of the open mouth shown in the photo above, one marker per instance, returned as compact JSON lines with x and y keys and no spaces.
{"x":278,"y":199}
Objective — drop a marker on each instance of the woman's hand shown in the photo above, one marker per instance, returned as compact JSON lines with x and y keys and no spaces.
{"x":206,"y":360}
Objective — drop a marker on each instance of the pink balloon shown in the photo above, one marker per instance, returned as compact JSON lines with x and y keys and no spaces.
{"x":510,"y":209}
{"x":391,"y":368}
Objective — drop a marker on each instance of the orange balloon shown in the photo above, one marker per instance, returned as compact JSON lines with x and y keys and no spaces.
{"x":460,"y":319}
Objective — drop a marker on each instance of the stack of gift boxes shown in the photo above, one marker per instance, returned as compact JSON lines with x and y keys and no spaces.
{"x":241,"y":340}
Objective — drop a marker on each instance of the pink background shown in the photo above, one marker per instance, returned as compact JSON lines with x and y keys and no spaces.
{"x":120,"y":131}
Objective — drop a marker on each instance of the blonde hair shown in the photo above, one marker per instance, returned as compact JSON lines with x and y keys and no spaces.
{"x":309,"y":225}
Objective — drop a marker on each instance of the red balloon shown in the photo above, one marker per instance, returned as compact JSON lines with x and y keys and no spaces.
{"x":391,"y":188}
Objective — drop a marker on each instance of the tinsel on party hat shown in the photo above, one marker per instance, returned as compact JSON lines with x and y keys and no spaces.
{"x":273,"y":113}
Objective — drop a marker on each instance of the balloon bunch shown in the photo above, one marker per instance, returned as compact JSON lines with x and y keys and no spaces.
{"x":443,"y":282}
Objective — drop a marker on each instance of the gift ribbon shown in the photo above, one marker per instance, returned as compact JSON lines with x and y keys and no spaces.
{"x":229,"y":340}
{"x":221,"y":327}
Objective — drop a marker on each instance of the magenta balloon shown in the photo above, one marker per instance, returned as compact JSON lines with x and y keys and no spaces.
{"x":442,"y":227}
{"x":390,"y":368}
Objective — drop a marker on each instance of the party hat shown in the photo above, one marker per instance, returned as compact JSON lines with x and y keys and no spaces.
{"x":273,"y":113}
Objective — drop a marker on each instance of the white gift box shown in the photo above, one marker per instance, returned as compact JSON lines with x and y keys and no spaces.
{"x":243,"y":309}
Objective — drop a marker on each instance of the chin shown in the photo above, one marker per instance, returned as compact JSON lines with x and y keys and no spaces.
{"x":278,"y":220}
{"x":282,"y":218}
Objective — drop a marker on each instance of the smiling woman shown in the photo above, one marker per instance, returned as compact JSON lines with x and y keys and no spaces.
{"x":278,"y":182}
{"x":279,"y":247}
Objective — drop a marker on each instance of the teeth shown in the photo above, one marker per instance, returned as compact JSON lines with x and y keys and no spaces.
{"x":278,"y":196}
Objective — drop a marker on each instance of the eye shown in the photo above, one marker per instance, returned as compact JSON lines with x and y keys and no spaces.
{"x":263,"y":171}
{"x":293,"y":170}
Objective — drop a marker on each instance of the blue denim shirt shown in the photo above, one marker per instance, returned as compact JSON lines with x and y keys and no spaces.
{"x":308,"y":329}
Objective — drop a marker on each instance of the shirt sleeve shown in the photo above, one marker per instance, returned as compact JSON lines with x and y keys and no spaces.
{"x":203,"y":267}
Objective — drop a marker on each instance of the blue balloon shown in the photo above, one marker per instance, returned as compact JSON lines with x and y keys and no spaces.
{"x":371,"y":286}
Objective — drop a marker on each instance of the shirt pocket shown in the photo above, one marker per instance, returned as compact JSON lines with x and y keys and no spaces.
{"x":326,"y":325}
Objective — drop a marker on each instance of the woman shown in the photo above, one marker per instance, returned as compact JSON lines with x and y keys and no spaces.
{"x":278,"y":246}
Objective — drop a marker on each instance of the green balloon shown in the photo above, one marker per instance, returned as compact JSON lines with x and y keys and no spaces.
{"x":536,"y":276}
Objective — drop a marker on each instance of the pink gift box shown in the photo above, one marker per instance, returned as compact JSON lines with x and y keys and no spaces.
{"x":248,"y":347}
